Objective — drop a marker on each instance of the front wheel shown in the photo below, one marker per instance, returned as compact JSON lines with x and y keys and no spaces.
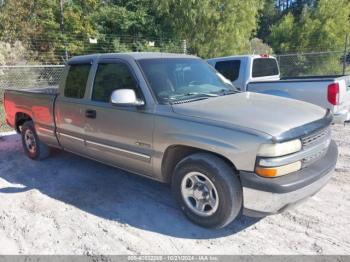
{"x":32,"y":146}
{"x":207,"y":189}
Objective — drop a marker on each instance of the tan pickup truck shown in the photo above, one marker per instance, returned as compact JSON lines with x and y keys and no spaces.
{"x":174,"y":119}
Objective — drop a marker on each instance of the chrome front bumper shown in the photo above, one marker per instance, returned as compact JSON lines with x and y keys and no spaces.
{"x":265,"y":196}
{"x":264,"y":203}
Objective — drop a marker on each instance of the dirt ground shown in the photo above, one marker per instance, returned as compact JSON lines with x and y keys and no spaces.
{"x":70,"y":205}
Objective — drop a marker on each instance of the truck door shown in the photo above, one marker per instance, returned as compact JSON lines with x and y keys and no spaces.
{"x":70,"y":108}
{"x":118,"y":135}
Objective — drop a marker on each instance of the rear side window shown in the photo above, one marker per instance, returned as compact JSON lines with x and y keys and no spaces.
{"x":110,"y":77}
{"x":264,"y":67}
{"x":76,"y":80}
{"x":229,"y":69}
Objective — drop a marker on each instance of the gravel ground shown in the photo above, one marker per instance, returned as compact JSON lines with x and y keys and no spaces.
{"x":70,"y":205}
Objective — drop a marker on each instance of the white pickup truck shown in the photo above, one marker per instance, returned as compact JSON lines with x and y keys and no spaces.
{"x":260,"y":73}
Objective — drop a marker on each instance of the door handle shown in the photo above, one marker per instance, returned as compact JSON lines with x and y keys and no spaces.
{"x":90,"y":113}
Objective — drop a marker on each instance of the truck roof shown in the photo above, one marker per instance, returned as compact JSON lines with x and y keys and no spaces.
{"x":133,"y":55}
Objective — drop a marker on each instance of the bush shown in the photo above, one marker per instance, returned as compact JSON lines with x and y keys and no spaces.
{"x":12,"y":54}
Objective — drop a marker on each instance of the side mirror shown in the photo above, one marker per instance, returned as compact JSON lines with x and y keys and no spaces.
{"x":125,"y":97}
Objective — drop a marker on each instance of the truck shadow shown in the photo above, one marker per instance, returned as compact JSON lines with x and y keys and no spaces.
{"x":103,"y":191}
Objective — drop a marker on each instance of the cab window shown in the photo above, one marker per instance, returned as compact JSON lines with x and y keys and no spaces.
{"x":229,"y":69}
{"x":77,"y":78}
{"x":110,"y":77}
{"x":264,"y":67}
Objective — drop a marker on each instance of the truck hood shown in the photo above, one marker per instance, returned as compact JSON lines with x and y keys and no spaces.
{"x":272,"y":115}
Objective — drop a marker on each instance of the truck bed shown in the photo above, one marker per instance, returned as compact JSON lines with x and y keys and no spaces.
{"x":311,"y":77}
{"x":312,"y":89}
{"x":51,"y":90}
{"x":36,"y":104}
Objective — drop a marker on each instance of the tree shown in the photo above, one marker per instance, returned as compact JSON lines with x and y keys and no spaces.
{"x":212,"y":28}
{"x":77,"y":27}
{"x":52,"y":28}
{"x":268,"y":16}
{"x":257,"y":46}
{"x":322,"y":27}
{"x":124,"y":25}
{"x":34,"y":22}
{"x":13,"y":27}
{"x":12,"y":54}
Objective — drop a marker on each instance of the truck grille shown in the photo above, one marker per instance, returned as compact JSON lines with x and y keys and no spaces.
{"x":316,"y":138}
{"x":313,"y":139}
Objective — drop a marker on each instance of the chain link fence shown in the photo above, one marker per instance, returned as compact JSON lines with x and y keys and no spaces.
{"x":26,"y":76}
{"x":58,"y":51}
{"x":35,"y":63}
{"x":291,"y":65}
{"x":314,"y":64}
{"x":29,"y":76}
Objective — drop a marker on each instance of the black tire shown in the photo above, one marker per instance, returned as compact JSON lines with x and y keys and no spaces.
{"x":226,"y":182}
{"x":39,"y":150}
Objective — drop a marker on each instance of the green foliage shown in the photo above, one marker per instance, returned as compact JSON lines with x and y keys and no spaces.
{"x":117,"y":25}
{"x":34,"y":22}
{"x":77,"y":26}
{"x":129,"y":18}
{"x":209,"y":26}
{"x":268,"y":16}
{"x":321,"y":28}
{"x":257,"y":46}
{"x":12,"y":54}
{"x":15,"y":20}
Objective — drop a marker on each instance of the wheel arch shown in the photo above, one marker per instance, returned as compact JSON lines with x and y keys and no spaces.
{"x":175,"y":153}
{"x":20,"y":119}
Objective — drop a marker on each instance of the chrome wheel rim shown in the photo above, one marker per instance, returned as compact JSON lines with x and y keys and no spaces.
{"x":199,"y":194}
{"x":29,"y":140}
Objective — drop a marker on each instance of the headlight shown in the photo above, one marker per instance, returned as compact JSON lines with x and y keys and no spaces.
{"x":280,"y":149}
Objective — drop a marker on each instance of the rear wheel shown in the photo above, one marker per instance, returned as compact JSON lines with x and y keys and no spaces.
{"x":32,"y":146}
{"x":207,"y":189}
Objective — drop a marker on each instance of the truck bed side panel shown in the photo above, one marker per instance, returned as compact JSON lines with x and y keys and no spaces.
{"x":37,"y":105}
{"x":312,"y":91}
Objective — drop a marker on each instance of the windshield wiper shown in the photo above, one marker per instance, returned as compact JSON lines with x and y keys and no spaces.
{"x":202,"y":94}
{"x":193,"y":94}
{"x":190,"y":97}
{"x":181,"y":101}
{"x":224,"y":92}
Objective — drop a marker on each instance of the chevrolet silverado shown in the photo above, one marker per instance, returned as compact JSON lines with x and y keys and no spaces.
{"x":174,"y":119}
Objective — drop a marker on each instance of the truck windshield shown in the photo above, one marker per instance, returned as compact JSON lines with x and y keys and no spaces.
{"x":264,"y":67}
{"x":178,"y":79}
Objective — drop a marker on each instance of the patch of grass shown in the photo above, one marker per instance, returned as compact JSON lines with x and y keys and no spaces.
{"x":3,"y":126}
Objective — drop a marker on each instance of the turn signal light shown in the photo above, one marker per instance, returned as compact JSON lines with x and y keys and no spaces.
{"x":278,"y":171}
{"x":267,"y":172}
